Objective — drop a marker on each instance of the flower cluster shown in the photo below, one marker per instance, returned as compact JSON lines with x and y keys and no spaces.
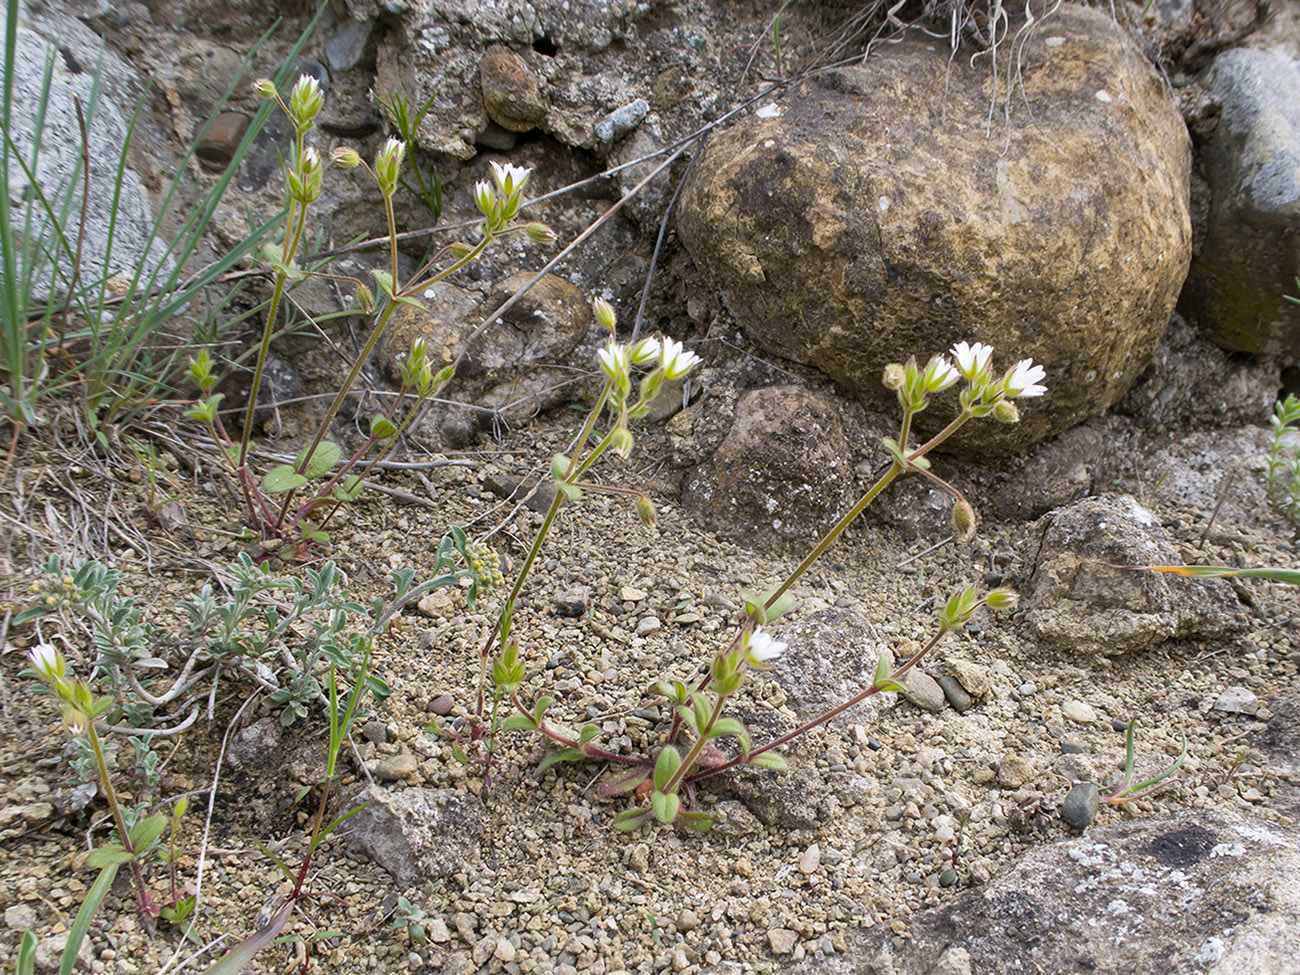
{"x":499,"y":198}
{"x":984,"y":394}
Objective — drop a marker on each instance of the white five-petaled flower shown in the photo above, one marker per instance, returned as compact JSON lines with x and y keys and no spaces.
{"x":613,"y":360}
{"x":971,"y":359}
{"x":483,"y":196}
{"x":645,"y":351}
{"x":1024,"y":380}
{"x":510,"y":179}
{"x":676,"y":361}
{"x":46,"y":661}
{"x":762,"y":648}
{"x":939,"y":375}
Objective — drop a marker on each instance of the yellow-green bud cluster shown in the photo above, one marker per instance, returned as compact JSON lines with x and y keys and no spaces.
{"x":486,"y":566}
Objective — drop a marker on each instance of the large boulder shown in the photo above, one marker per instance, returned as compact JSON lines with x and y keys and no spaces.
{"x":1202,"y":890}
{"x":876,"y":213}
{"x":1252,"y":159}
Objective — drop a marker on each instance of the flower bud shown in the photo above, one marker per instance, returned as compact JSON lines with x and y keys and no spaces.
{"x":894,"y":376}
{"x":540,"y":233}
{"x":1002,"y":599}
{"x":645,"y":510}
{"x":604,"y":313}
{"x":346,"y":157}
{"x":388,"y":165}
{"x":365,"y":299}
{"x":264,"y":87}
{"x":305,"y":102}
{"x":621,"y":440}
{"x":963,"y":520}
{"x":483,"y":196}
{"x":1005,"y":411}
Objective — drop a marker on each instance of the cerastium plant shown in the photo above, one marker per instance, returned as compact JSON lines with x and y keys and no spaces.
{"x":664,"y":782}
{"x":295,"y":502}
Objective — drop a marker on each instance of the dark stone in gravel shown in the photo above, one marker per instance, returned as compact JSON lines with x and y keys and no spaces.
{"x":1080,"y":806}
{"x":956,"y":694}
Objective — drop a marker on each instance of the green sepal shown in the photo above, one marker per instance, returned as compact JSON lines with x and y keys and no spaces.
{"x":381,"y":428}
{"x":563,"y":755}
{"x":282,"y":478}
{"x":666,"y":766}
{"x":665,"y":806}
{"x":325,"y":456}
{"x":769,"y":760}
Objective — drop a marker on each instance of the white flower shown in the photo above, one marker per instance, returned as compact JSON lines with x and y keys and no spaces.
{"x":483,"y":196}
{"x":613,"y":360}
{"x":971,"y":359}
{"x":509,"y":179}
{"x":645,"y":351}
{"x":1024,"y":380}
{"x":762,"y":648}
{"x":676,"y":362}
{"x":939,"y":375}
{"x":47,"y":661}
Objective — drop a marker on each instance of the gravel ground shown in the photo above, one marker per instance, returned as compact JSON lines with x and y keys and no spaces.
{"x":913,"y":806}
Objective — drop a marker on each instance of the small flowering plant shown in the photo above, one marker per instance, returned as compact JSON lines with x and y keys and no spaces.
{"x":691,"y":750}
{"x":296,"y":501}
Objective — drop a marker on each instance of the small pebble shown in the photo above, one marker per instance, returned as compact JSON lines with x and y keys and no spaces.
{"x":442,"y":705}
{"x":947,"y":878}
{"x":1027,"y":688}
{"x":1118,"y":725}
{"x":1079,"y":712}
{"x":687,"y":920}
{"x":1069,"y":747}
{"x":1237,"y":700}
{"x":923,"y":691}
{"x":956,"y":694}
{"x":811,"y":859}
{"x":782,"y":940}
{"x":1014,"y":771}
{"x":648,"y":624}
{"x":1080,"y":806}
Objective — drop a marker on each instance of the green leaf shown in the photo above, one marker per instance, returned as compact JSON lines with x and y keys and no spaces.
{"x":589,"y":731}
{"x":147,"y":831}
{"x":108,"y":855}
{"x":688,"y":717}
{"x":518,"y":722}
{"x":665,"y":806}
{"x":384,"y":281}
{"x":459,"y":755}
{"x":326,"y":455}
{"x":698,"y":821}
{"x":889,"y":684}
{"x":621,"y":783}
{"x":26,"y":963}
{"x":281,"y":479}
{"x":884,"y":667}
{"x":730,"y":726}
{"x":770,"y":760}
{"x":89,"y":907}
{"x":563,"y":755}
{"x":540,"y":708}
{"x":334,"y":824}
{"x":666,"y":765}
{"x":1290,"y":576}
{"x":316,"y":536}
{"x":630,"y":819}
{"x":349,"y":488}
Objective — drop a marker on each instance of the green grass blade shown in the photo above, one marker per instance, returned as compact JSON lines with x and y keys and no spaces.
{"x":1289,"y":576}
{"x":242,"y":954}
{"x":94,"y":897}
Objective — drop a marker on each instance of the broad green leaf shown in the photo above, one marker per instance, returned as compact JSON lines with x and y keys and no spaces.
{"x":666,"y":765}
{"x":563,"y":755}
{"x":109,"y":855}
{"x":327,"y":454}
{"x":518,"y":722}
{"x":884,"y":667}
{"x":621,"y":783}
{"x":630,"y":819}
{"x":148,"y":830}
{"x":540,"y":708}
{"x":588,"y":732}
{"x":348,"y":489}
{"x":316,"y":536}
{"x":381,"y":428}
{"x":26,"y":963}
{"x":688,"y":717}
{"x":770,"y":760}
{"x":281,"y":479}
{"x":698,"y":821}
{"x":665,"y":806}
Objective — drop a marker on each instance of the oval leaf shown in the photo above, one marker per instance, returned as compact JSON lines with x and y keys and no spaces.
{"x":281,"y":479}
{"x":326,"y":456}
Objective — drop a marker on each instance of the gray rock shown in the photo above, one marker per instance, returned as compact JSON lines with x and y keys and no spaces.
{"x":974,"y":677}
{"x":572,"y":602}
{"x":793,"y":799}
{"x":397,"y":767}
{"x":1220,"y":471}
{"x":923,"y":690}
{"x":130,"y":248}
{"x":1080,"y":806}
{"x":956,"y":695}
{"x":1086,"y":595}
{"x":1237,"y":700}
{"x":1279,"y":740}
{"x":345,"y":45}
{"x":20,"y":917}
{"x":1053,"y":474}
{"x":257,"y":744}
{"x":1193,"y":891}
{"x":621,"y":121}
{"x":416,"y":835}
{"x":783,"y":474}
{"x":831,"y":656}
{"x":1251,"y":251}
{"x":875,"y":218}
